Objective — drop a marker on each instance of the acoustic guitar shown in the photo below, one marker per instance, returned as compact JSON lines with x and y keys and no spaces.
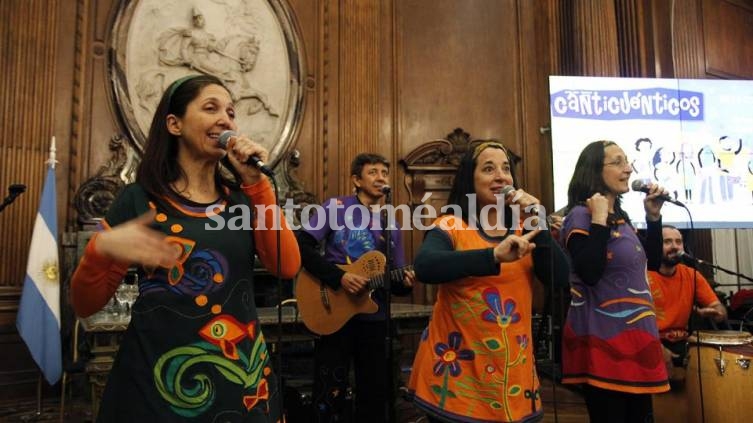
{"x":325,"y":310}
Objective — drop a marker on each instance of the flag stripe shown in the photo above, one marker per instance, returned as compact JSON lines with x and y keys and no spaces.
{"x":43,"y":260}
{"x":48,"y":205}
{"x":38,"y":319}
{"x":40,"y":329}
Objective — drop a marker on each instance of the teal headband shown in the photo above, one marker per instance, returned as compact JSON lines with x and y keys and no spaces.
{"x":176,"y":84}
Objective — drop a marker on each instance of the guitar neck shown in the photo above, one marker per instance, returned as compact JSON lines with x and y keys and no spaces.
{"x":395,"y":274}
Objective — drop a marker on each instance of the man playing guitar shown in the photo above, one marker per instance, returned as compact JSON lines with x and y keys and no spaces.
{"x":350,"y":227}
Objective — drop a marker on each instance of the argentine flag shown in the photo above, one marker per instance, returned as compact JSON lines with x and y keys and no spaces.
{"x":38,"y":319}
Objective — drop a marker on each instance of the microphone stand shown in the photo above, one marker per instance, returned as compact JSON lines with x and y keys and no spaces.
{"x":387,"y":230}
{"x":729,"y":272}
{"x":278,"y":226}
{"x":14,"y":191}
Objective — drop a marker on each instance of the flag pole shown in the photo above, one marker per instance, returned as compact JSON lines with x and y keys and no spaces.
{"x":38,"y":320}
{"x":51,"y":160}
{"x":39,"y":393}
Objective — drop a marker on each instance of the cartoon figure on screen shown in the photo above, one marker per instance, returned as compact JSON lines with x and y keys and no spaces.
{"x":686,"y":170}
{"x":708,"y":168}
{"x":728,"y":150}
{"x":664,"y":172}
{"x":643,"y":165}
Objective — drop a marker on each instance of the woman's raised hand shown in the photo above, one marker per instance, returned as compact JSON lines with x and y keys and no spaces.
{"x":135,"y":242}
{"x":599,"y":207}
{"x":514,"y":247}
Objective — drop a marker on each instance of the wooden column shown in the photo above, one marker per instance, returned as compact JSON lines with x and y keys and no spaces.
{"x":596,"y":49}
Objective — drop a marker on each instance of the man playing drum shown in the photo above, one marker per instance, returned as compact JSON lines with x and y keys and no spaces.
{"x":673,"y":290}
{"x":676,"y":288}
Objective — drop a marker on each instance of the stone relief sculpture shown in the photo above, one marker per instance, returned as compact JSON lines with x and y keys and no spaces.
{"x":251,"y":45}
{"x":230,"y":59}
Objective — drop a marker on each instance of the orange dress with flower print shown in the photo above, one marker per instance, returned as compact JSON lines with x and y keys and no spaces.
{"x":475,"y":360}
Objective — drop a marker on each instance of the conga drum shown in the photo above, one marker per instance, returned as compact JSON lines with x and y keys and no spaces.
{"x":719,"y":376}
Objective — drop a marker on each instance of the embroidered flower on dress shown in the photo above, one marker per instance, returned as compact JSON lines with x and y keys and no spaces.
{"x":495,"y":313}
{"x":449,"y":354}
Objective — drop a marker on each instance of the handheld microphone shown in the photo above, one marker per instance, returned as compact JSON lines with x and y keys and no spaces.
{"x":638,"y":185}
{"x":507,"y":189}
{"x":253,"y":160}
{"x":386,"y":189}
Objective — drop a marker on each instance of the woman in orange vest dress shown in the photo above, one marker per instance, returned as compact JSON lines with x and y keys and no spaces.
{"x":475,"y":361}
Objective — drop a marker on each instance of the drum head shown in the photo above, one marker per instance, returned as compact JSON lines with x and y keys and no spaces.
{"x":720,"y":337}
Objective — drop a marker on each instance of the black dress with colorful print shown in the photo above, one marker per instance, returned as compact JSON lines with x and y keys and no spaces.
{"x":193,"y":350}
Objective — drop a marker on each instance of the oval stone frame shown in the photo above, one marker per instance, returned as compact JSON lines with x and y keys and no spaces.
{"x":252,"y":45}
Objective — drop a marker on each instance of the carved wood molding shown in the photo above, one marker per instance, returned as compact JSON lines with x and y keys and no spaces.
{"x":291,"y":187}
{"x":95,"y":195}
{"x":81,"y":48}
{"x":326,"y":76}
{"x":432,"y":166}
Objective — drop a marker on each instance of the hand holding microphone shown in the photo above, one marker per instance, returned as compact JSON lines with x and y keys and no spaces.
{"x":655,"y":198}
{"x":521,"y":198}
{"x":661,"y":193}
{"x":244,"y":151}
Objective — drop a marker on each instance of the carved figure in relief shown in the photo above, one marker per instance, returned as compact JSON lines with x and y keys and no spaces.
{"x":230,"y":59}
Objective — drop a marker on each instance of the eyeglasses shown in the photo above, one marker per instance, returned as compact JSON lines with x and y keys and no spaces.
{"x":619,"y":163}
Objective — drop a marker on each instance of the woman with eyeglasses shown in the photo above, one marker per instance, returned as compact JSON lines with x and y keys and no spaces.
{"x":610,"y":340}
{"x":475,"y":361}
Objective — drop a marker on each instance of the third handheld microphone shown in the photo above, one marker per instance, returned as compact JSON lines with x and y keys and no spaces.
{"x":638,"y":185}
{"x":224,"y":140}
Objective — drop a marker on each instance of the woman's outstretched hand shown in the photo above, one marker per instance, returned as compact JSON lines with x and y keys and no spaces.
{"x":515,"y":247}
{"x":135,"y":242}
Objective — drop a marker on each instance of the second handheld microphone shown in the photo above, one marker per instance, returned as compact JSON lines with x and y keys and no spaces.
{"x":224,"y":140}
{"x":638,"y":185}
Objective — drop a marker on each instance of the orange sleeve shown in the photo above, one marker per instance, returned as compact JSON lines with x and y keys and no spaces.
{"x":95,"y":281}
{"x":265,"y":234}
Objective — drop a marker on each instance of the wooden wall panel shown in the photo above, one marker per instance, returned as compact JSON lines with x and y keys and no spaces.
{"x":633,"y":37}
{"x":596,"y":49}
{"x":458,"y":67}
{"x":728,"y":38}
{"x":534,"y":25}
{"x":358,"y":86}
{"x":36,"y":45}
{"x":28,"y":48}
{"x":687,"y":39}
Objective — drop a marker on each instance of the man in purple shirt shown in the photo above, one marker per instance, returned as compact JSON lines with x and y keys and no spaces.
{"x":349,"y":227}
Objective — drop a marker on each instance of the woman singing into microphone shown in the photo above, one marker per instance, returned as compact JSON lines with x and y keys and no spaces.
{"x":610,"y":340}
{"x":475,"y":361}
{"x":193,"y":350}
